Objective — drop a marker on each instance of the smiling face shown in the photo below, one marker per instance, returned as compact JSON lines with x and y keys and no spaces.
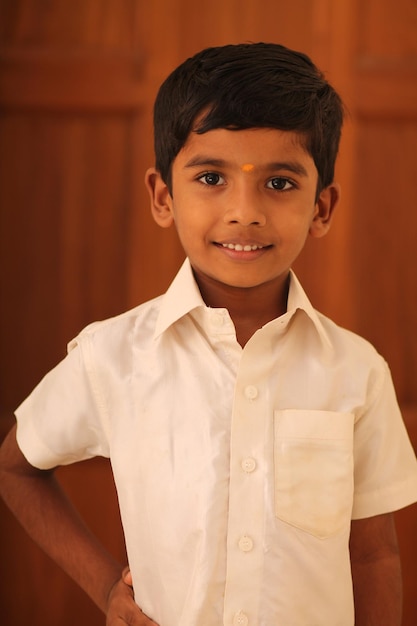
{"x":243,"y":203}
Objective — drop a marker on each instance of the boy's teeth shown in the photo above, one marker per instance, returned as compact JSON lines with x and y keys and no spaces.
{"x":240,"y":248}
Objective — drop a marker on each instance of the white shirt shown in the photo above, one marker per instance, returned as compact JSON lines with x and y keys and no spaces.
{"x":238,"y":471}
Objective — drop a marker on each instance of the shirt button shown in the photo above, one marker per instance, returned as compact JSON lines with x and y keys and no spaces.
{"x":245,"y":544}
{"x":248,"y":465}
{"x":251,"y":392}
{"x":240,"y":619}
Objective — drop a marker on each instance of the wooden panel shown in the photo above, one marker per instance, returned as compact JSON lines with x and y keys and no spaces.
{"x":32,"y":79}
{"x":244,"y":21}
{"x":386,"y":235}
{"x":64,"y":230}
{"x":386,"y":32}
{"x":386,"y":110}
{"x":62,"y":25}
{"x":386,"y":59}
{"x":386,"y":93}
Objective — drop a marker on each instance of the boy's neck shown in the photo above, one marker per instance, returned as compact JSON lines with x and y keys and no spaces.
{"x":250,"y":308}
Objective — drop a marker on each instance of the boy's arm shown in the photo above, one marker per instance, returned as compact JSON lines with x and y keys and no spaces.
{"x":36,"y":499}
{"x":376,"y":571}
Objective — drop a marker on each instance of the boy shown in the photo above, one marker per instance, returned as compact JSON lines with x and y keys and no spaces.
{"x":257,"y":448}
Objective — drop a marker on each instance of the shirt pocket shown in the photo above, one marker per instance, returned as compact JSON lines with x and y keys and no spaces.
{"x":313,"y":470}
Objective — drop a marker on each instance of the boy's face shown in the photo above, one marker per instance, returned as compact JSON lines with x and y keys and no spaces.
{"x":243,"y":203}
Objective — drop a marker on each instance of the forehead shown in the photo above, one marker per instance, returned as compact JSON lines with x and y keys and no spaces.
{"x":246,"y":149}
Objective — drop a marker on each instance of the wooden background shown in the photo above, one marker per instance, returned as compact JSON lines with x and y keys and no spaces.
{"x":77,"y":83}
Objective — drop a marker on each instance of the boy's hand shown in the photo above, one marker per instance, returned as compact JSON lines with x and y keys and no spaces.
{"x":122,"y":608}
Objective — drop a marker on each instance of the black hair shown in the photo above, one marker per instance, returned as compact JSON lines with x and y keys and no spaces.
{"x":251,"y":85}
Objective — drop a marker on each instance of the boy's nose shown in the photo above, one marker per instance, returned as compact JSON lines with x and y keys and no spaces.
{"x":245,"y":208}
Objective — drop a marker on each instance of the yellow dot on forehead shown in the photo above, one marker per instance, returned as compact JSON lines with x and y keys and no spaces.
{"x":247,"y":167}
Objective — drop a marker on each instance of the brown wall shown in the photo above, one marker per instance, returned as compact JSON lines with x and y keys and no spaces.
{"x":77,"y":82}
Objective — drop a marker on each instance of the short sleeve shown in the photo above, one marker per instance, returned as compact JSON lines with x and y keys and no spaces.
{"x":385,"y":462}
{"x":62,"y":421}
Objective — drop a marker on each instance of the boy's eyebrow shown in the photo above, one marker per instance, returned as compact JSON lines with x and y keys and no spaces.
{"x":291,"y":166}
{"x":207,"y":161}
{"x":200,"y":160}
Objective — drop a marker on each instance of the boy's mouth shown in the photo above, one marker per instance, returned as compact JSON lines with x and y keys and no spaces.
{"x":240,"y":247}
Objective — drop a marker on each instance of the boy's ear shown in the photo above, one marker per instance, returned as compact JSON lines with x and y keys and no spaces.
{"x":326,"y":203}
{"x":161,"y":199}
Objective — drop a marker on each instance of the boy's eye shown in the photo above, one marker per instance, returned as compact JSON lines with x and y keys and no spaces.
{"x":279,"y":183}
{"x":211,"y":178}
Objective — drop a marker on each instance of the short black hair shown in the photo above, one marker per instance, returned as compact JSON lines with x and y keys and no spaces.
{"x":250,"y":85}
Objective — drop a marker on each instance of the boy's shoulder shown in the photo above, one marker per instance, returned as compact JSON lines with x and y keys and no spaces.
{"x":339,"y":342}
{"x":349,"y":344}
{"x":120,"y":327}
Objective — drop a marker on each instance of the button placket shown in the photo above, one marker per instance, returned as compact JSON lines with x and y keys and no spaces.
{"x":246,"y":496}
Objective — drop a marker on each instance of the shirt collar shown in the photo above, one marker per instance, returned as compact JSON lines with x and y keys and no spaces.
{"x":298,"y":301}
{"x":183,"y":296}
